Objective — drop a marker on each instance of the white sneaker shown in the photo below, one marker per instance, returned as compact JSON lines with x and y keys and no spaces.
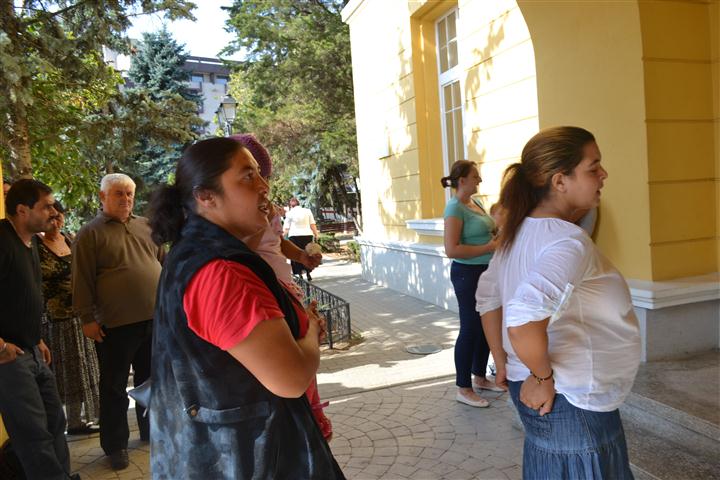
{"x":482,"y":403}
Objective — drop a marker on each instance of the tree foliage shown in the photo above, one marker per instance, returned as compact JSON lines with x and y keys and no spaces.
{"x":156,"y":69}
{"x":39,"y":37}
{"x":65,"y":120}
{"x":294,"y":91}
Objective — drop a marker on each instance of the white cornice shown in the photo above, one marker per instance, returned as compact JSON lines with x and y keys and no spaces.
{"x":427,"y":226}
{"x":679,"y":291}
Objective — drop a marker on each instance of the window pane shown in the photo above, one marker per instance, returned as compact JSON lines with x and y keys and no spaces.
{"x":196,"y":77}
{"x":442,"y":33}
{"x":450,"y":136}
{"x":457,"y":103}
{"x":452,"y":54}
{"x":459,"y":142}
{"x":443,"y":59}
{"x":452,"y":33}
{"x":221,"y":80}
{"x":447,"y":95}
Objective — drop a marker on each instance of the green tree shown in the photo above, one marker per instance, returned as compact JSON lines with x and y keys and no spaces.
{"x":157,"y":65}
{"x":294,"y":91}
{"x":63,"y":40}
{"x":156,"y":68}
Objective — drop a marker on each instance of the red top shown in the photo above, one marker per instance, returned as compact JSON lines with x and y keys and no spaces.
{"x":225,"y":300}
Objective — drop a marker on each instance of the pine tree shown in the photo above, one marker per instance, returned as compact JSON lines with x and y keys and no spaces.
{"x":157,"y":69}
{"x":157,"y":66}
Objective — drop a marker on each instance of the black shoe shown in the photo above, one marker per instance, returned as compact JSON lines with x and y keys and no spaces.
{"x":75,"y":476}
{"x":86,"y":429}
{"x":119,"y":460}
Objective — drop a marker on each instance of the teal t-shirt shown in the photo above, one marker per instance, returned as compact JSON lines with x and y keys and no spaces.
{"x":477,"y":228}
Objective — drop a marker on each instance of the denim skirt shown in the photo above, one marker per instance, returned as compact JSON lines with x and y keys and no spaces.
{"x":571,"y":443}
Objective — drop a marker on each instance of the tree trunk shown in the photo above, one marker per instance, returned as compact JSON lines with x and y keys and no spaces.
{"x":17,"y":121}
{"x":20,"y":160}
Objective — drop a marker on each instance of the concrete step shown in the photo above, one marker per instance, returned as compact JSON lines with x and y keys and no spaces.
{"x":666,"y":443}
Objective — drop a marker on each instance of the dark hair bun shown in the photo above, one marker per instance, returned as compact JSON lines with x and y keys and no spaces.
{"x":445,"y":182}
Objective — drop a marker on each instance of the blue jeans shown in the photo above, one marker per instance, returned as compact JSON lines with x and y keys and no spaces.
{"x":471,"y":347}
{"x":571,"y":443}
{"x":34,"y":417}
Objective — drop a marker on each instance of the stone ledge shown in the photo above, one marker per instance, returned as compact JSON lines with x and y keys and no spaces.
{"x":680,"y":291}
{"x":434,"y":227}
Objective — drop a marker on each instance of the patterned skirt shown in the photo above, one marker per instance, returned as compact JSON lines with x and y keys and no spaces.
{"x":75,"y":364}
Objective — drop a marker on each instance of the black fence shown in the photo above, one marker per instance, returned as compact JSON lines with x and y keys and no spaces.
{"x":335,"y":309}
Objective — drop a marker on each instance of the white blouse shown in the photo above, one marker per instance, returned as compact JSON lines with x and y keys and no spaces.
{"x":298,"y":221}
{"x":554,"y":270}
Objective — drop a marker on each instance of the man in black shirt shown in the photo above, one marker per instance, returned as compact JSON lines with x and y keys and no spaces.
{"x":29,"y":400}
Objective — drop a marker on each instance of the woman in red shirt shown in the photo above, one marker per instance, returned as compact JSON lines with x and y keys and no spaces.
{"x":232,"y":353}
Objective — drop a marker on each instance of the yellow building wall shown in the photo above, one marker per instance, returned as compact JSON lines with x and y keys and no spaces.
{"x":500,"y":87}
{"x":681,"y":119}
{"x":398,"y":109}
{"x":643,"y":76}
{"x":589,"y":70}
{"x":386,"y":118}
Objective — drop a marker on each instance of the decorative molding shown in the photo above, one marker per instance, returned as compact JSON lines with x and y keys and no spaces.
{"x":409,"y":247}
{"x":645,"y":294}
{"x":427,"y":226}
{"x":679,"y":291}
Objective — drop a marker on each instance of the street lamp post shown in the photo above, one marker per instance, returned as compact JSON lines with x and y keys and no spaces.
{"x":226,"y":113}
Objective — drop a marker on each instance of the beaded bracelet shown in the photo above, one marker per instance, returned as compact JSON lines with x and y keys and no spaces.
{"x":539,"y":380}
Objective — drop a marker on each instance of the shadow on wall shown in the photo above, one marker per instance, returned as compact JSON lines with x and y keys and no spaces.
{"x":399,"y":130}
{"x":483,"y":64}
{"x":495,"y":36}
{"x":424,"y":275}
{"x":398,"y":194}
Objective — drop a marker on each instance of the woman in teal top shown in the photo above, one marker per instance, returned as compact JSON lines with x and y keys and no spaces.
{"x":469,"y":241}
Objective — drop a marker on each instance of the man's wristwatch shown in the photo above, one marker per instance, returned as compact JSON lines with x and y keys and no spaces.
{"x":540,"y":380}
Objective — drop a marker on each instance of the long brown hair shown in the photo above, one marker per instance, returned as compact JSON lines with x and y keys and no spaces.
{"x":458,"y":170}
{"x":552,"y":150}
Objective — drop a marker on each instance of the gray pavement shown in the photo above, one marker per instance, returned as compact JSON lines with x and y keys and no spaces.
{"x":394,"y":414}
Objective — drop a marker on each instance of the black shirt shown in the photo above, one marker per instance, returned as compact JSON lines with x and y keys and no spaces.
{"x":21,"y":300}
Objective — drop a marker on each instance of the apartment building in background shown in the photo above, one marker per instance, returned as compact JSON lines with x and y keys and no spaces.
{"x":209,"y":77}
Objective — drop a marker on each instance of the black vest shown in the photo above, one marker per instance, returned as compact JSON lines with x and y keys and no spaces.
{"x":210,"y":417}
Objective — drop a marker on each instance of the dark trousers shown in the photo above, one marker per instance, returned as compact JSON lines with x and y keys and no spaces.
{"x":122,"y":347}
{"x":33,"y":416}
{"x":301,"y":241}
{"x":471,"y":347}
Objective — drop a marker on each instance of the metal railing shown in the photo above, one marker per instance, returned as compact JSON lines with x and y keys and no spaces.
{"x":335,"y":309}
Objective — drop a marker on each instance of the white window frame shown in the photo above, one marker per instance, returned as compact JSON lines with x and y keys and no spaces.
{"x":445,"y":78}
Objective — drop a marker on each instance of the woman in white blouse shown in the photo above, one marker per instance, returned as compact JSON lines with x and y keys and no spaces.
{"x":558,"y":315}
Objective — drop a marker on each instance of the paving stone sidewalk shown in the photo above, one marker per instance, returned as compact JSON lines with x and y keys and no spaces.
{"x":389,"y":322}
{"x":394,"y":414}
